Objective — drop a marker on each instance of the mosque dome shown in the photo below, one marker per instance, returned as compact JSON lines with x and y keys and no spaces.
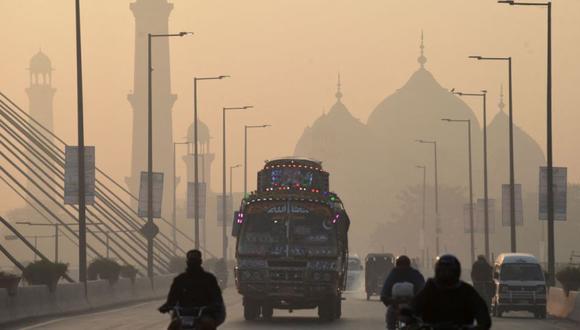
{"x":528,"y":156}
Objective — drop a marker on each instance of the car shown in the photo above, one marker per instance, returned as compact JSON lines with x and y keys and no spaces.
{"x":377,"y":268}
{"x":354,"y":273}
{"x":520,"y":285}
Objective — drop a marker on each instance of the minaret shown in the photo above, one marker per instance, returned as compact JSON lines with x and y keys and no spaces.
{"x":338,"y":92}
{"x":422,"y":59}
{"x":501,"y":105}
{"x":152,"y":16}
{"x":41,"y":93}
{"x":206,"y":157}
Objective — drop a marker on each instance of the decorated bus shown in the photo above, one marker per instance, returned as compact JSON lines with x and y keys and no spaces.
{"x":291,"y":242}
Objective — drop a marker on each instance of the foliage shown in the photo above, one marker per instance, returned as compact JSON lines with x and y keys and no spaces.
{"x":44,"y":272}
{"x":570,"y":278}
{"x":8,"y":276}
{"x":128,"y":271}
{"x":177,"y":265}
{"x":105,"y":269}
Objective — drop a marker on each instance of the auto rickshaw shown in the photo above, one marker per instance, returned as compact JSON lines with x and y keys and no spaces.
{"x":377,"y":268}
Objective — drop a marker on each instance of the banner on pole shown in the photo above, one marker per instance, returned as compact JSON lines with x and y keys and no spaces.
{"x":506,"y":205}
{"x":191,"y":200}
{"x":71,"y":175}
{"x":144,"y":196}
{"x":559,"y":177}
{"x":220,"y":211}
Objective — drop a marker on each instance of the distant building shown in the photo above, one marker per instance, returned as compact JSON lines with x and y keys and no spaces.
{"x":40,"y":98}
{"x":152,"y":16}
{"x":414,"y":112}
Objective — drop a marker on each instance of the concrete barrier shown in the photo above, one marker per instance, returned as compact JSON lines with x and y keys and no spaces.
{"x":562,"y":306}
{"x":37,"y":301}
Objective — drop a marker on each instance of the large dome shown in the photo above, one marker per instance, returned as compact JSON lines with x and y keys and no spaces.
{"x":414,"y":112}
{"x":528,"y":156}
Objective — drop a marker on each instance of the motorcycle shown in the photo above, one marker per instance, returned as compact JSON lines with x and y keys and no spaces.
{"x":183,"y":318}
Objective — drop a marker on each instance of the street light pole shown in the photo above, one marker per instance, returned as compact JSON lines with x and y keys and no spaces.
{"x":224,"y":193}
{"x":471,"y":236}
{"x":437,"y":220}
{"x":196,"y":156}
{"x":56,"y":232}
{"x":150,"y":145}
{"x":246,"y":127}
{"x":174,"y":211}
{"x":483,"y":95}
{"x":511,"y":148}
{"x":422,"y":238}
{"x":81,"y":153}
{"x":550,"y":177}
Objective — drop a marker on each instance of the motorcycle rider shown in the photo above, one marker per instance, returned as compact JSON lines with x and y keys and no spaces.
{"x":197,"y":288}
{"x":448,"y":300}
{"x":481,"y":277}
{"x":403,"y":272}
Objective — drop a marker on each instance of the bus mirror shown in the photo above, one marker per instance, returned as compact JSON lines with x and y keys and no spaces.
{"x":237,"y":223}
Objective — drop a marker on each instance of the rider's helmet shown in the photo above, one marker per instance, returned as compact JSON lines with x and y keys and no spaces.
{"x":447,"y":270}
{"x":402,"y":261}
{"x":194,"y":258}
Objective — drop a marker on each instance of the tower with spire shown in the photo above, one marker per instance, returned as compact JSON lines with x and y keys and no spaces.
{"x":422,"y":59}
{"x":152,"y":16}
{"x":41,"y":93}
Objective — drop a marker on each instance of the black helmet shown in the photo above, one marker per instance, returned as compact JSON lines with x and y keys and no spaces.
{"x":194,"y":258}
{"x":403,"y":261}
{"x":447,"y":270}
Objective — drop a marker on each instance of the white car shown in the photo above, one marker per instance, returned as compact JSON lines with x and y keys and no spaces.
{"x":355,"y":273}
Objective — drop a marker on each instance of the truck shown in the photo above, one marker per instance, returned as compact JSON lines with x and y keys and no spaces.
{"x":291,"y":242}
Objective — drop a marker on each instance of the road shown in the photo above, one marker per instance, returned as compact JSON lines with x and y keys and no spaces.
{"x":357,"y":314}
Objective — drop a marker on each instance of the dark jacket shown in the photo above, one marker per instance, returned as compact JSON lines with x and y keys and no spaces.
{"x":481,"y":271}
{"x":460,"y":305}
{"x":196,"y":288}
{"x":398,"y":275}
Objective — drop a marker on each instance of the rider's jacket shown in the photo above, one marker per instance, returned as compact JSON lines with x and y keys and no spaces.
{"x":398,"y":275}
{"x":195,"y":288}
{"x":459,"y":305}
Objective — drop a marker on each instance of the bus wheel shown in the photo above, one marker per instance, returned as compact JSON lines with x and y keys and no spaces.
{"x":251,"y":310}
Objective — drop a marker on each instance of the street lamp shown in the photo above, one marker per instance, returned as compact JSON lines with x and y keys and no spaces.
{"x":224,"y":208}
{"x":196,"y":156}
{"x":56,"y":232}
{"x":550,"y":177}
{"x":173,"y":212}
{"x":422,"y":232}
{"x":246,"y":127}
{"x":35,"y":237}
{"x":81,"y":152}
{"x":150,"y":223}
{"x":483,"y":95}
{"x":511,"y":148}
{"x":437,"y":222}
{"x":468,"y":122}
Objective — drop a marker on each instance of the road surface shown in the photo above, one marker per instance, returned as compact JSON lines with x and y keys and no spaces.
{"x":357,"y":314}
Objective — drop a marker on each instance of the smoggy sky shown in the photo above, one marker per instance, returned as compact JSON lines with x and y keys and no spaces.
{"x":284,"y":57}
